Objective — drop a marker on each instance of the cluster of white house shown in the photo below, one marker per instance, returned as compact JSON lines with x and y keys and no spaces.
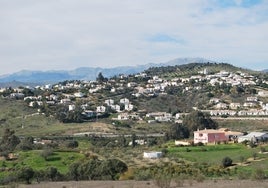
{"x":155,"y":85}
{"x":251,"y":107}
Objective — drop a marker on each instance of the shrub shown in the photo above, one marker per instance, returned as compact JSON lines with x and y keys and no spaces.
{"x":243,"y":175}
{"x":254,"y":155}
{"x":26,"y":174}
{"x":162,"y":181}
{"x":46,"y":153}
{"x":262,"y":149}
{"x":200,"y":144}
{"x":227,"y":161}
{"x":142,"y":175}
{"x":259,"y":174}
{"x":71,"y":144}
{"x":242,"y":159}
{"x":180,"y":180}
{"x":200,"y":177}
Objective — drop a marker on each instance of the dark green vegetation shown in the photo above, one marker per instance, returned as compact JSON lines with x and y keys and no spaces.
{"x":193,"y":69}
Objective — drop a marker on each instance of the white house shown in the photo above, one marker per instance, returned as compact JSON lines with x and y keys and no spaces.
{"x":64,"y":101}
{"x":116,"y":107}
{"x":101,"y":109}
{"x":71,"y":107}
{"x":17,"y":95}
{"x":79,"y":94}
{"x":263,"y":93}
{"x":109,"y":102}
{"x":221,"y":106}
{"x":124,"y":101}
{"x":152,"y":155}
{"x":32,"y":103}
{"x":254,"y":137}
{"x":252,"y":99}
{"x":129,"y":107}
{"x":123,"y":116}
{"x":234,"y":105}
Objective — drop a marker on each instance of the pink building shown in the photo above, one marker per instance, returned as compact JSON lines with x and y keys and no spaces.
{"x":209,"y":136}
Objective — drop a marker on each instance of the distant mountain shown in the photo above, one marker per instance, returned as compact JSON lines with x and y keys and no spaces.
{"x":85,"y":73}
{"x":265,"y":70}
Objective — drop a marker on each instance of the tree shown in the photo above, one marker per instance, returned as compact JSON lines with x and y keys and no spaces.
{"x":9,"y":141}
{"x":178,"y":131}
{"x":64,"y":115}
{"x":26,"y":173}
{"x":27,"y":143}
{"x":227,"y":161}
{"x":74,"y":171}
{"x":199,"y":120}
{"x":111,"y":168}
{"x":101,"y":78}
{"x":52,"y":173}
{"x":72,"y":144}
{"x":95,"y":169}
{"x":133,"y":139}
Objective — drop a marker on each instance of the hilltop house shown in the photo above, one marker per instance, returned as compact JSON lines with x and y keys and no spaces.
{"x":209,"y":136}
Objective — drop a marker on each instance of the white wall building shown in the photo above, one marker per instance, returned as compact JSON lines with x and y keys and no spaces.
{"x":152,"y":155}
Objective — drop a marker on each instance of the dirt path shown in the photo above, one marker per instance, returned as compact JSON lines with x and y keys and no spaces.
{"x":148,"y":184}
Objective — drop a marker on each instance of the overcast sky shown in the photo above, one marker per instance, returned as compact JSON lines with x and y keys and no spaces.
{"x":66,"y":34}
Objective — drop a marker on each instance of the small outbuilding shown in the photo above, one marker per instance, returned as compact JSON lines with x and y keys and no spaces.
{"x":152,"y":155}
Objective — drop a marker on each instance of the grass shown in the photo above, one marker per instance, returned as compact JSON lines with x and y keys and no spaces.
{"x":212,"y":154}
{"x":33,"y":159}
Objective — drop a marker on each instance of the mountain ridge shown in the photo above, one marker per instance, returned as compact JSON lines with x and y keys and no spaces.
{"x":85,"y":73}
{"x":37,"y":77}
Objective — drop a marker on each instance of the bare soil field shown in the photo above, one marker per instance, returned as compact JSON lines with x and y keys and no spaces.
{"x":149,"y":184}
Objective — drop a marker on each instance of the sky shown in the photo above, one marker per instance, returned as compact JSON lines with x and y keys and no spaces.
{"x":67,"y":34}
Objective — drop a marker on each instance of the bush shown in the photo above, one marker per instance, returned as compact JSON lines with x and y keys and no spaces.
{"x":46,"y":153}
{"x":200,"y":144}
{"x":71,"y":144}
{"x":26,"y":174}
{"x":243,"y":175}
{"x":259,"y":174}
{"x":242,"y":159}
{"x":262,"y":149}
{"x":227,"y":161}
{"x":200,"y":178}
{"x":162,"y":181}
{"x":142,"y":175}
{"x":180,"y":180}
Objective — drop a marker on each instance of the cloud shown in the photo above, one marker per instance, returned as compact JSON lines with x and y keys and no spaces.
{"x":65,"y":34}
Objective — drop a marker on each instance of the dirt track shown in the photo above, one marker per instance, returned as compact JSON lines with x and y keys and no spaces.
{"x":148,"y":184}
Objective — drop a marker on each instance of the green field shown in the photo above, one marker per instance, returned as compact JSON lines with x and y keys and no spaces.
{"x":59,"y":159}
{"x":213,"y":154}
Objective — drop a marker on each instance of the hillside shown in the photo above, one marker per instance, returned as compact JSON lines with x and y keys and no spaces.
{"x":191,"y":69}
{"x":101,"y":130}
{"x":171,"y":90}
